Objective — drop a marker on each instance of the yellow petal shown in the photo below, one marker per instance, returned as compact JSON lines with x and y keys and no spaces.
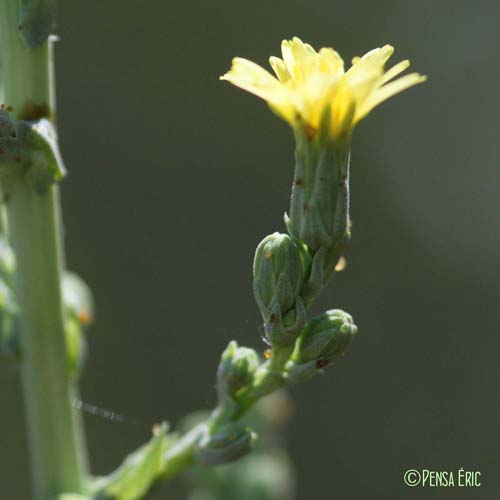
{"x":379,"y":56}
{"x":361,"y":86}
{"x":362,"y":81}
{"x":297,"y":57}
{"x":301,"y":51}
{"x":342,"y":112}
{"x":252,"y":78}
{"x":255,"y":79}
{"x":287,"y":55}
{"x":395,"y":71}
{"x":388,"y":90}
{"x":279,"y":68}
{"x":331,"y":62}
{"x":310,"y":48}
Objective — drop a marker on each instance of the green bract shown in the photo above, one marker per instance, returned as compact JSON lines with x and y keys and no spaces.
{"x":320,"y":192}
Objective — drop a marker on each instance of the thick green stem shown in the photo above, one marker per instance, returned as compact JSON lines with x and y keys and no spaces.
{"x":58,"y":460}
{"x":27,"y":74}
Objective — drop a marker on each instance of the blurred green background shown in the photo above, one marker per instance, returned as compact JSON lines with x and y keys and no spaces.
{"x":174,"y":179}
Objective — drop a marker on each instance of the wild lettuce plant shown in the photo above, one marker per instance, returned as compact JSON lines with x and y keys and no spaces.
{"x":45,"y":309}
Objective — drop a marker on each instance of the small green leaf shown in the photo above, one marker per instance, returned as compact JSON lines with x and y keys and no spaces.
{"x":133,"y":479}
{"x":45,"y":162}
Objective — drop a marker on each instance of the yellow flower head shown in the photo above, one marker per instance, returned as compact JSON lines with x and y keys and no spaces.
{"x":311,"y":86}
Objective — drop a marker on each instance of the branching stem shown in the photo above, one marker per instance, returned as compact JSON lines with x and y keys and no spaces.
{"x":56,"y":448}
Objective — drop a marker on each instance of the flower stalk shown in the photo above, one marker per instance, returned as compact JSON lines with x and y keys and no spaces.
{"x":322,"y":103}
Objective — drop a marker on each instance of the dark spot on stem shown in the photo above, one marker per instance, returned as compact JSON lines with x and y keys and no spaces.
{"x":321,"y":363}
{"x":310,"y":131}
{"x":6,"y":198}
{"x":306,"y":207}
{"x":33,"y":111}
{"x":299,"y":182}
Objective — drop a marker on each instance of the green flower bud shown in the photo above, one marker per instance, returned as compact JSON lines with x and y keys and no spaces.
{"x":325,"y":336}
{"x":77,"y":298}
{"x":229,"y":443}
{"x":236,"y":371}
{"x":79,"y":306}
{"x":278,"y":278}
{"x":322,"y":341}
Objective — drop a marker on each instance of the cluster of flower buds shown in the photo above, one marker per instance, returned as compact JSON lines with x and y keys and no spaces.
{"x":289,"y":271}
